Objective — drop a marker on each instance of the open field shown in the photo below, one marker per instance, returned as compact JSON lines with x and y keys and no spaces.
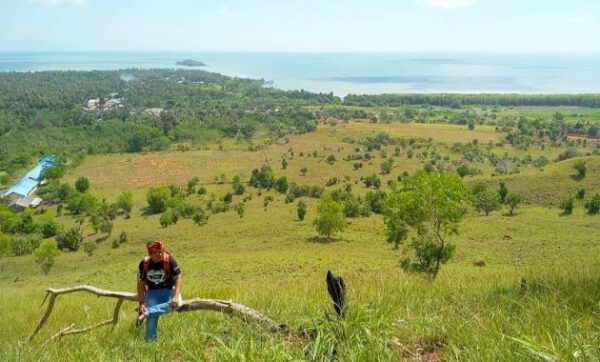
{"x":271,"y":261}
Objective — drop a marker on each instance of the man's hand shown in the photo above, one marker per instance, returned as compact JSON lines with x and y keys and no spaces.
{"x":142,"y":308}
{"x":174,"y":302}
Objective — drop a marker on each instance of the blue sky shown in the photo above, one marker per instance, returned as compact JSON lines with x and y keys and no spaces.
{"x":301,"y":25}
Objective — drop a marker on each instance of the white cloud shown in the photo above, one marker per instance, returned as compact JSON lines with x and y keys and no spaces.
{"x":450,"y":4}
{"x":223,"y":10}
{"x":53,"y":3}
{"x":581,"y":19}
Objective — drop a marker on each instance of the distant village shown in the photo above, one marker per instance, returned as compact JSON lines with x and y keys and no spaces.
{"x":104,"y":104}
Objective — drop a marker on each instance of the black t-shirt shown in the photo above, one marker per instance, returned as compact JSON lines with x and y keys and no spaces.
{"x":155,"y":278}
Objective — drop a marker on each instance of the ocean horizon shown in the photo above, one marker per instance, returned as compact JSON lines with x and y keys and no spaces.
{"x":354,"y":73}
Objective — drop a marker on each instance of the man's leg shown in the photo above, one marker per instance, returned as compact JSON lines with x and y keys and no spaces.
{"x":165,"y":306}
{"x":155,"y":299}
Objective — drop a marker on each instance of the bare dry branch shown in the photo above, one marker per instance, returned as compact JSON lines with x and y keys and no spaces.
{"x":227,"y":307}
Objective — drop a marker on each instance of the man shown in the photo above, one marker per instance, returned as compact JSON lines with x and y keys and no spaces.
{"x":158,"y":287}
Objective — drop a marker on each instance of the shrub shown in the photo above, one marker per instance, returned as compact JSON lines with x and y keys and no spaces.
{"x":89,"y":246}
{"x":375,"y":201}
{"x":240,"y":208}
{"x":267,"y":200}
{"x":191,"y":185}
{"x":386,"y":167}
{"x":301,"y":210}
{"x":568,"y":153}
{"x":581,"y":168}
{"x":82,"y":184}
{"x":219,"y":207}
{"x":158,"y":197}
{"x":125,"y":203}
{"x":513,"y":201}
{"x":122,"y":237}
{"x":70,"y":240}
{"x":372,"y":181}
{"x":332,"y":181}
{"x":282,"y":185}
{"x":45,"y":254}
{"x":289,"y":198}
{"x":567,"y":205}
{"x":169,"y":217}
{"x":201,"y":190}
{"x":200,"y":216}
{"x":593,"y":207}
{"x":580,"y":194}
{"x":263,"y":178}
{"x":486,"y":201}
{"x":502,"y":191}
{"x":50,"y":229}
{"x":228,"y":198}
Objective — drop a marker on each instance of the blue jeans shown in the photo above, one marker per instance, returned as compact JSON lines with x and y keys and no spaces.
{"x":158,"y":301}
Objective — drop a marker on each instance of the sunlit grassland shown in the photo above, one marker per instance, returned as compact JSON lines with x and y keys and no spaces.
{"x":272,"y":262}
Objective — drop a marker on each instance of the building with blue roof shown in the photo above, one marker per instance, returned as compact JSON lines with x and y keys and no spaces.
{"x":27,"y":185}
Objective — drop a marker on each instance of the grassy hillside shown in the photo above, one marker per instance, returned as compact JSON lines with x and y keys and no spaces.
{"x":271,"y":261}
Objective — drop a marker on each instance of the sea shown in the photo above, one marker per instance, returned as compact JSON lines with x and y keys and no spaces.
{"x":355,"y":73}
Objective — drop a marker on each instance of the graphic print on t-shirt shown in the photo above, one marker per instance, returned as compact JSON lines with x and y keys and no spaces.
{"x":156,"y":276}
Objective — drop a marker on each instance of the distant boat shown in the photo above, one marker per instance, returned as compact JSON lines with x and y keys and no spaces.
{"x":191,"y":63}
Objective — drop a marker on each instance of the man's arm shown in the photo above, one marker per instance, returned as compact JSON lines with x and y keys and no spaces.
{"x":141,"y":295}
{"x":178,"y":284}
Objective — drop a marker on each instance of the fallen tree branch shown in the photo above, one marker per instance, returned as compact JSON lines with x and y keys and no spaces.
{"x":223,"y":306}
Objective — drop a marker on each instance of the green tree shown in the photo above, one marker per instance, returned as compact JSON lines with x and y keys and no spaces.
{"x":513,"y":201}
{"x":158,"y":197}
{"x":432,"y":205}
{"x":486,"y":201}
{"x":125,"y":203}
{"x":330,"y":219}
{"x":82,"y":184}
{"x":282,"y":185}
{"x":82,"y":203}
{"x":45,"y":254}
{"x":301,"y":210}
{"x":55,"y":172}
{"x":502,"y":191}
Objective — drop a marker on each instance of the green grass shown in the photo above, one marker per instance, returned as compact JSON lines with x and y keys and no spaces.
{"x":270,"y":261}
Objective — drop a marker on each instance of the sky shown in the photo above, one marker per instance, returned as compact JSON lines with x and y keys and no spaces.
{"x":301,"y":25}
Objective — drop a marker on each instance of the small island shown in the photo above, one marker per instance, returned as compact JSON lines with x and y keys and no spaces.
{"x":191,"y":63}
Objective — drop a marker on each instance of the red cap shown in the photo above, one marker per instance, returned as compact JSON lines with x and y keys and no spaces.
{"x":155,"y":246}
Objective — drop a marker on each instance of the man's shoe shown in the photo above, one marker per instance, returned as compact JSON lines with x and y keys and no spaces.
{"x":140,"y":320}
